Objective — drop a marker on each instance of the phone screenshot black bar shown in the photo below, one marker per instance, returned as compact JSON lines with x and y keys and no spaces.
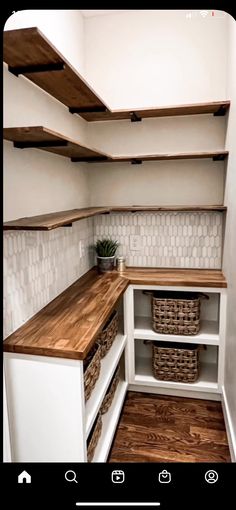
{"x":118,"y":486}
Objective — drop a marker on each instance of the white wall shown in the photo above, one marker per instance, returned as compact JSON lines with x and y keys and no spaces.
{"x":37,"y":182}
{"x":162,"y":182}
{"x":157,"y":58}
{"x":174,"y":59}
{"x":230,"y":236}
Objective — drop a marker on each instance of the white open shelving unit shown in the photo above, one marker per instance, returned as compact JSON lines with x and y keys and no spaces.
{"x":211,"y":336}
{"x":109,"y":423}
{"x":108,"y":367}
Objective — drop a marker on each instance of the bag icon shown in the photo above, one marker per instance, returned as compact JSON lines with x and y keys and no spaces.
{"x":164,"y":476}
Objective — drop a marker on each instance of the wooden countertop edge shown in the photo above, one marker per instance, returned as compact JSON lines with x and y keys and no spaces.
{"x":129,"y":278}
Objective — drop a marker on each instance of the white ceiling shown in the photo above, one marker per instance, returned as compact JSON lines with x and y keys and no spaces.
{"x":100,"y":12}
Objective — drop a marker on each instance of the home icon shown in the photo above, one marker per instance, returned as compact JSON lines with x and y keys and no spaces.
{"x":24,"y":477}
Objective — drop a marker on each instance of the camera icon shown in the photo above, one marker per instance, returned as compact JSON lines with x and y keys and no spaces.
{"x":164,"y":476}
{"x":118,"y":476}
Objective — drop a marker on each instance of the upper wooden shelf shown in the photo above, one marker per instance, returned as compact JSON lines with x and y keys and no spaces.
{"x":217,"y":108}
{"x":42,"y":138}
{"x":66,"y":218}
{"x":28,"y":52}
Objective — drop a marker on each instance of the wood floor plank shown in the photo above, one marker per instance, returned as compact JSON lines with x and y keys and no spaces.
{"x":157,"y":428}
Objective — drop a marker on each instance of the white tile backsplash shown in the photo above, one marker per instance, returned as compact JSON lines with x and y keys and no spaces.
{"x":40,"y":265}
{"x":167,"y":239}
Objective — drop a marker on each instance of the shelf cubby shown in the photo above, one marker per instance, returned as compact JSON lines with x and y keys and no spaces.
{"x":208,"y":372}
{"x":208,"y":334}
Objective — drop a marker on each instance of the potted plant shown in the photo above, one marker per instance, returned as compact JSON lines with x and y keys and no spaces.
{"x":105,"y":250}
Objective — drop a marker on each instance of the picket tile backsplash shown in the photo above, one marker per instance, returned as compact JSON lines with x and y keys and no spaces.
{"x":167,"y":239}
{"x":40,"y":265}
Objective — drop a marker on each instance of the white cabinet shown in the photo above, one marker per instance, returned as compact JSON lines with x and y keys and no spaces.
{"x":49,"y":419}
{"x":211,"y":335}
{"x":48,"y":416}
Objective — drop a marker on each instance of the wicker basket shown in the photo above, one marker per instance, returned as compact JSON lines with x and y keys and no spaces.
{"x":94,"y":437}
{"x":107,"y":401}
{"x":92,"y":366}
{"x":175,"y":362}
{"x":176,"y":313}
{"x":108,"y":334}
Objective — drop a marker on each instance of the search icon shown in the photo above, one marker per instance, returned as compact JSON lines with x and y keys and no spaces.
{"x":70,"y":476}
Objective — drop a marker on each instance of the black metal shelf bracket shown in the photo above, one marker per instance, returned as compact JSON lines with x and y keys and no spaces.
{"x":87,"y":159}
{"x":134,"y":117}
{"x":136,"y":162}
{"x":41,"y":143}
{"x":41,"y":68}
{"x":87,"y":109}
{"x":219,"y":157}
{"x":221,"y":111}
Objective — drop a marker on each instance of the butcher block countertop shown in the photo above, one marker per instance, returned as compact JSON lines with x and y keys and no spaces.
{"x":68,"y":326}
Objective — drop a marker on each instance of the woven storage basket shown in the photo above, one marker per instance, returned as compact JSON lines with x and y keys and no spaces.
{"x":175,"y":362}
{"x":176,"y":313}
{"x":108,"y":334}
{"x":94,"y":437}
{"x":92,"y":366}
{"x":107,"y":401}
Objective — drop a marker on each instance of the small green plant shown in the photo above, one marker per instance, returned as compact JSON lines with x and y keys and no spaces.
{"x":106,"y":247}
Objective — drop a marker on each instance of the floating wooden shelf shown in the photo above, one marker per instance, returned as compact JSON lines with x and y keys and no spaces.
{"x":135,"y":160}
{"x":28,"y":52}
{"x":38,"y":137}
{"x":53,"y":220}
{"x":66,"y":218}
{"x":163,"y":208}
{"x":217,"y":108}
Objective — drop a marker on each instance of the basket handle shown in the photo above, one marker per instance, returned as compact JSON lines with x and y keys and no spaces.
{"x":203,"y":296}
{"x":147,"y":342}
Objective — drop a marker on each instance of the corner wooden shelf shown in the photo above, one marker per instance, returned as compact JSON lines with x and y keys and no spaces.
{"x":28,"y":52}
{"x":66,"y":218}
{"x":39,"y":137}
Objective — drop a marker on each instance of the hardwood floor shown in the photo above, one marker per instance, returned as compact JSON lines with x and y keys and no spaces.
{"x":156,"y":428}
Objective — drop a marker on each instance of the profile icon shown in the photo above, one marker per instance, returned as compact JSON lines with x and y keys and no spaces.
{"x":211,"y":476}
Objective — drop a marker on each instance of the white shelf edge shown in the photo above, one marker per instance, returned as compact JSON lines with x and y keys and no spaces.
{"x":207,"y":381}
{"x":181,"y":288}
{"x":209,"y":333}
{"x":108,"y":366}
{"x":109,"y":424}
